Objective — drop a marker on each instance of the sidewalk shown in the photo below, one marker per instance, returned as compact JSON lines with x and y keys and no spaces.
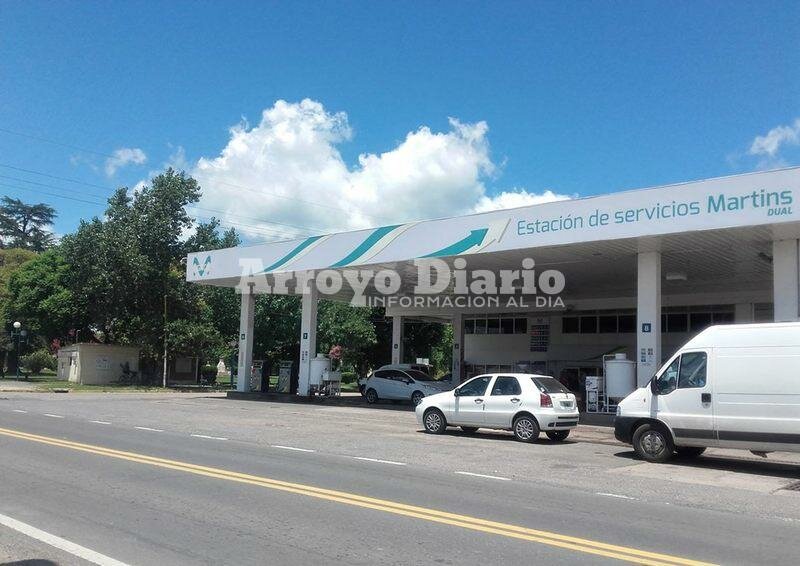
{"x":12,"y":385}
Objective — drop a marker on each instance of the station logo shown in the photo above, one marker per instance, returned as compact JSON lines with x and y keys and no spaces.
{"x":201,"y":269}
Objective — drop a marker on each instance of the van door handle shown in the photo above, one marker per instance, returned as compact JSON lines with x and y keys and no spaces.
{"x":705,"y":397}
{"x":478,"y":401}
{"x":515,"y":400}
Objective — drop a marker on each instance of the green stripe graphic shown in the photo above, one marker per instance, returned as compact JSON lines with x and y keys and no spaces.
{"x":299,"y":248}
{"x":370,"y":241}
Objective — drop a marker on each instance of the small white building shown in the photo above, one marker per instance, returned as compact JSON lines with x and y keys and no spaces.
{"x":96,"y":364}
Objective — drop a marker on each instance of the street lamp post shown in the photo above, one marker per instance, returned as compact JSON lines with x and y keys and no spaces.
{"x":18,"y":334}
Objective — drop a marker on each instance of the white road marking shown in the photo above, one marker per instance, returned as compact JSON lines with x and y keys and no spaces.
{"x":615,"y":495}
{"x":484,"y":476}
{"x":19,"y":411}
{"x":100,"y":422}
{"x":292,"y":448}
{"x":57,"y":542}
{"x":209,"y":437}
{"x":53,"y":416}
{"x":148,"y":428}
{"x":376,"y":460}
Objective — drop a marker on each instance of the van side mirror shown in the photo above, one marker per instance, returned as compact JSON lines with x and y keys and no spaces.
{"x":654,"y":386}
{"x":456,"y":392}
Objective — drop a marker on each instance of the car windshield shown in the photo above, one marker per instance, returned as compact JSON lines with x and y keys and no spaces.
{"x":418,"y":375}
{"x":549,"y":385}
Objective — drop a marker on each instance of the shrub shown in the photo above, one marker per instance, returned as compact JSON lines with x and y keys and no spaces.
{"x":209,"y":373}
{"x":36,"y":361}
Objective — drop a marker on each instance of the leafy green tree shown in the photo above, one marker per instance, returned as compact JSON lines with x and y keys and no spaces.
{"x":24,"y":225}
{"x":124,"y":267}
{"x":352,"y":328}
{"x":38,"y":296}
{"x":430,"y":340}
{"x":10,"y":261}
{"x":193,"y":338}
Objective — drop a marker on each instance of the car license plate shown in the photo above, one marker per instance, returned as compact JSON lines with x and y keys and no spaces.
{"x":566,"y":404}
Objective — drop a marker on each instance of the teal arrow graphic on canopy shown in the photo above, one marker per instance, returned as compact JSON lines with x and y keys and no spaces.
{"x":296,"y":250}
{"x":475,"y":238}
{"x":364,"y":246}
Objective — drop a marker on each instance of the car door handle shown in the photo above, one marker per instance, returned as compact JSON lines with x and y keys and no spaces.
{"x":479,"y":401}
{"x":705,"y":397}
{"x":515,"y":400}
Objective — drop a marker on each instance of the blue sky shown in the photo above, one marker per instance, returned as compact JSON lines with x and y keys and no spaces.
{"x":578,"y":98}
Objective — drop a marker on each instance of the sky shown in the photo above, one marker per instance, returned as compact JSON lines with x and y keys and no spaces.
{"x":305,"y":118}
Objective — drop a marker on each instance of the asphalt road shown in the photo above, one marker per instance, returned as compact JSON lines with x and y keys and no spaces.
{"x":188,"y":479}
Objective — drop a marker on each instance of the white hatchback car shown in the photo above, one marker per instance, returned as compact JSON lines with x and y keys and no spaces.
{"x":520,"y":402}
{"x":406,"y":384}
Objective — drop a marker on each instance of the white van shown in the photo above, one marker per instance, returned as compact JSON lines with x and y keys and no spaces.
{"x":731,"y":386}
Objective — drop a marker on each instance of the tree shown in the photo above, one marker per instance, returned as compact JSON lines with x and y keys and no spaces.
{"x":39,"y":297}
{"x":124,"y":267}
{"x":352,"y":328}
{"x":10,"y":261}
{"x":23,"y":225}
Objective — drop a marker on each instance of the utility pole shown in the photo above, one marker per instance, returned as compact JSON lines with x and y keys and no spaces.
{"x":164,"y":377}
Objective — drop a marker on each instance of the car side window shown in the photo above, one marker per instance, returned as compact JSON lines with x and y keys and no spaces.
{"x":382,"y":374}
{"x":668,"y":380}
{"x":476,"y":387}
{"x":396,"y":375}
{"x":693,"y":370}
{"x":506,"y":385}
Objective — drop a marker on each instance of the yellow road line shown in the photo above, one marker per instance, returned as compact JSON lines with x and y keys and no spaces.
{"x":464,"y":521}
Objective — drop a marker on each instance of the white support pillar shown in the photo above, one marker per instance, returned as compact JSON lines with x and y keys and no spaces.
{"x":648,"y":316}
{"x":246,"y":324}
{"x":397,"y":339}
{"x":308,"y":339}
{"x":786,"y":280}
{"x":458,"y":349}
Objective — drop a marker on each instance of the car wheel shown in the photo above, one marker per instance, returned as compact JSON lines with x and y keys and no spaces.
{"x":557,"y":435}
{"x":653,"y":443}
{"x":434,"y":421}
{"x":469,"y":429}
{"x":526,"y":429}
{"x":689,"y":451}
{"x":372,"y":396}
{"x":417,"y":397}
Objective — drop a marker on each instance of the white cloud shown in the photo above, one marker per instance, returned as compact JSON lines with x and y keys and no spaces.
{"x":122,"y":157}
{"x":516,"y":198}
{"x":771,"y":143}
{"x":285,"y":176}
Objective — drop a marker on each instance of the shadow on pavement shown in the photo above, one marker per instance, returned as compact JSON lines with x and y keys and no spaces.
{"x":761,"y":467}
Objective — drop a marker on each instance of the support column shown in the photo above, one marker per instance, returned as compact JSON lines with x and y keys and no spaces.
{"x":786,"y":280}
{"x":308,"y":339}
{"x":648,"y":316}
{"x":458,"y":349}
{"x":397,"y":339}
{"x":246,"y":324}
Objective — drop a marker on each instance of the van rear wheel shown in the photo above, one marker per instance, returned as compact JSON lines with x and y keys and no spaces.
{"x":653,"y":443}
